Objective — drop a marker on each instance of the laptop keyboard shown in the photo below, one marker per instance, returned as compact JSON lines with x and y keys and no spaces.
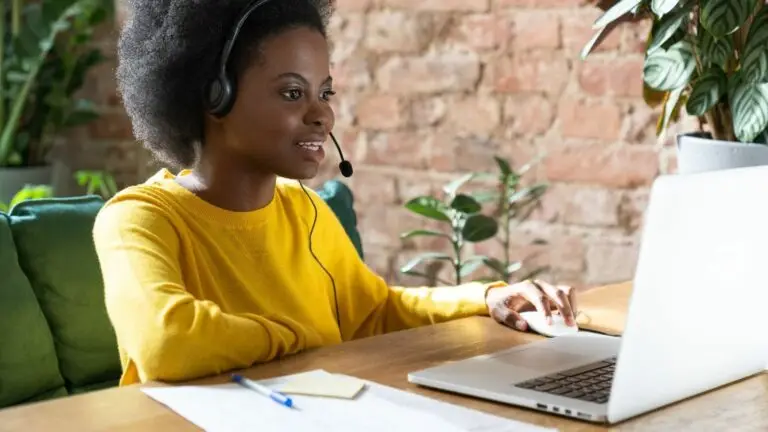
{"x":590,"y":383}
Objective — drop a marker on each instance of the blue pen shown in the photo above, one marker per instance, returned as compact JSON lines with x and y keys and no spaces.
{"x":266,"y":391}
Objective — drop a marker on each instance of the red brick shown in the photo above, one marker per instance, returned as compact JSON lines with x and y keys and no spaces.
{"x":537,"y":3}
{"x":584,"y":119}
{"x":640,"y":124}
{"x":353,"y":142}
{"x":634,"y":37}
{"x":454,"y":71}
{"x":536,"y":30}
{"x":580,"y":205}
{"x":621,"y":167}
{"x":614,"y":77}
{"x":381,"y":112}
{"x":345,"y":35}
{"x":632,"y":209}
{"x":399,"y":149}
{"x":610,"y":263}
{"x":438,"y":5}
{"x":381,"y":225}
{"x":112,"y":125}
{"x":450,"y":152}
{"x":428,"y":111}
{"x":528,"y":114}
{"x":475,"y":114}
{"x":372,"y":186}
{"x":481,"y":31}
{"x":544,"y":72}
{"x":353,"y":73}
{"x":353,"y":5}
{"x":577,"y":31}
{"x":397,"y":31}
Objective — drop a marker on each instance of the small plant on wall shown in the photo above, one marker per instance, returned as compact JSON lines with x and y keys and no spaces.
{"x":461,"y":215}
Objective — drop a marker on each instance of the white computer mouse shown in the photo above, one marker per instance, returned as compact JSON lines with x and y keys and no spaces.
{"x":538,"y":323}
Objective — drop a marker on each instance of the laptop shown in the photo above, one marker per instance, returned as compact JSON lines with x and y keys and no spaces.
{"x":695,"y":319}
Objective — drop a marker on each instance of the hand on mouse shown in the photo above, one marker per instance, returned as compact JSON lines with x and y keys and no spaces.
{"x":505,"y":302}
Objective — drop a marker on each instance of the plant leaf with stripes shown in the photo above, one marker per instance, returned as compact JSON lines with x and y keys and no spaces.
{"x":666,"y":27}
{"x":671,"y":68}
{"x":707,"y":91}
{"x":615,"y":12}
{"x":723,"y":17}
{"x":663,"y":7}
{"x":749,"y":104}
{"x":754,"y":61}
{"x":714,"y":51}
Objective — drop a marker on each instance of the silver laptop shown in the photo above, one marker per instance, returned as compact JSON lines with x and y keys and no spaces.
{"x":696,"y":318}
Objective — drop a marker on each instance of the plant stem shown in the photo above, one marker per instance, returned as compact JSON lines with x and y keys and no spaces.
{"x":507,"y":220}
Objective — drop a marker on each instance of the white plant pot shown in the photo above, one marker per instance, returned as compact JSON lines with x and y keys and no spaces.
{"x":698,"y":154}
{"x":13,"y":179}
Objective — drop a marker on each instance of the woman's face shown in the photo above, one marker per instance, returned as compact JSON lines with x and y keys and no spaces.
{"x":282,"y":116}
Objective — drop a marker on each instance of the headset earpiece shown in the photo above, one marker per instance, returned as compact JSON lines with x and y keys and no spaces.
{"x":221,"y":94}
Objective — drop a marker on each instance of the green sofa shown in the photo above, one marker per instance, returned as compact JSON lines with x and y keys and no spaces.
{"x":55,"y":337}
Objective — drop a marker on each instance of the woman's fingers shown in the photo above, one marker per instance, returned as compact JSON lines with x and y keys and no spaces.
{"x":560,"y":296}
{"x":510,"y":318}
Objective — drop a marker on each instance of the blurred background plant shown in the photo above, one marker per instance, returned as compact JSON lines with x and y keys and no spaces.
{"x":45,"y":55}
{"x":93,"y":182}
{"x":461,"y":215}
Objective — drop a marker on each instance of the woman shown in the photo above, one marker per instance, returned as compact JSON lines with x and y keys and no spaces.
{"x":226,"y":264}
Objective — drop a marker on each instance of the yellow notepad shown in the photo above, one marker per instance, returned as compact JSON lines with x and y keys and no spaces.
{"x":323,"y":384}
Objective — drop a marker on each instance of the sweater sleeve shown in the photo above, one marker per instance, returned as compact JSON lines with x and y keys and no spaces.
{"x":169,"y":334}
{"x":369,"y":306}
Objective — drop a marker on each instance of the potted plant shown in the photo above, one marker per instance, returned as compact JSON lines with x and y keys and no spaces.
{"x":45,"y":54}
{"x":709,"y":59}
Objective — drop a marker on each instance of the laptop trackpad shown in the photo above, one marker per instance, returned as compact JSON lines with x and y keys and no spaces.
{"x":544,"y":359}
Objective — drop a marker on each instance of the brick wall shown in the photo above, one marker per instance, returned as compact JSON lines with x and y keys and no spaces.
{"x":431,"y":89}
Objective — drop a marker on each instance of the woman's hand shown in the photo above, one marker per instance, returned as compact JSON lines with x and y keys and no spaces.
{"x":506,"y":302}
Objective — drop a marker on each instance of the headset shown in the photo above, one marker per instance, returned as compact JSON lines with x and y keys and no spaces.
{"x":221,"y":95}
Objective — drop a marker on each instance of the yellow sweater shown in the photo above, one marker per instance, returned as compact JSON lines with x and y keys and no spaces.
{"x":194,"y":290}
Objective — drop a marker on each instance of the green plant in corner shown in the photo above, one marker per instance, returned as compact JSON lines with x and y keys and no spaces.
{"x":709,"y":57}
{"x":515,"y":203}
{"x":28,"y":192}
{"x":45,"y":53}
{"x":464,"y":223}
{"x":97,"y":181}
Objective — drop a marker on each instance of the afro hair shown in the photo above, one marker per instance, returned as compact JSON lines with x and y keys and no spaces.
{"x":169,"y":52}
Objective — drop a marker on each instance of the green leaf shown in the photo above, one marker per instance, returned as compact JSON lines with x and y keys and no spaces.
{"x":533,"y":193}
{"x":504,"y":166}
{"x":470,"y":266}
{"x":723,"y":17}
{"x":712,"y":50}
{"x":707,"y":91}
{"x":485,"y":196}
{"x":749,"y":103}
{"x":451,"y":188}
{"x":667,"y":26}
{"x":514,"y":267}
{"x":31,"y":192}
{"x":495,"y":265}
{"x":429,"y":207}
{"x":465,"y":204}
{"x":479,"y":228}
{"x":662,"y":7}
{"x":423,"y":233}
{"x":754,"y":61}
{"x":615,"y":12}
{"x":671,"y":68}
{"x":429,"y":256}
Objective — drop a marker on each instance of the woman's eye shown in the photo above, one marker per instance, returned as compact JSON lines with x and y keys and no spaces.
{"x":293,"y":94}
{"x":327,"y":94}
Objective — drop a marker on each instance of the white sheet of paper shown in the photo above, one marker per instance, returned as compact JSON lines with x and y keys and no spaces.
{"x":230,"y":407}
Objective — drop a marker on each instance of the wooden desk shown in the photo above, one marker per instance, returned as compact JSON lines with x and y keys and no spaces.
{"x":387,"y":359}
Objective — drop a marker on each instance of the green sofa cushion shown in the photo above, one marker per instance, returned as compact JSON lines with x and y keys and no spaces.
{"x":54,"y":242}
{"x":339,"y":198}
{"x":29,"y":369}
